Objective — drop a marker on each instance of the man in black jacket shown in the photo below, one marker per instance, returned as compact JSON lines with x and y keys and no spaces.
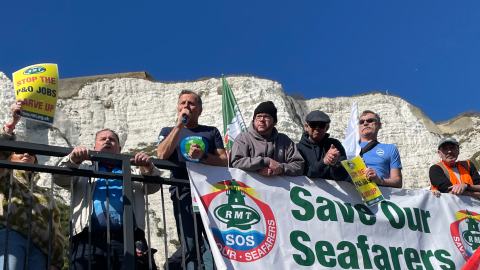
{"x":322,"y":155}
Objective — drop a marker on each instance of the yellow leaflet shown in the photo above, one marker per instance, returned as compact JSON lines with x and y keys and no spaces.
{"x":356,"y":169}
{"x":38,"y":85}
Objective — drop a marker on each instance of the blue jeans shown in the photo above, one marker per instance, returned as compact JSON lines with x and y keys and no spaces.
{"x":17,"y":251}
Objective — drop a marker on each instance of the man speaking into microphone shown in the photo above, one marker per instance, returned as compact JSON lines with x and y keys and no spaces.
{"x":189,"y":141}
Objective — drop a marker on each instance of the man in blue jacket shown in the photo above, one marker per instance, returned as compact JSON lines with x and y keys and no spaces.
{"x":322,"y":154}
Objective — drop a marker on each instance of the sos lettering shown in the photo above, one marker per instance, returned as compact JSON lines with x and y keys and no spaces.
{"x":41,"y":90}
{"x":50,"y":80}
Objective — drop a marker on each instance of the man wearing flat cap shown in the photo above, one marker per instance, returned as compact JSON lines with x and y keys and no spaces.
{"x":451,"y":175}
{"x":322,"y":154}
{"x":263,"y":149}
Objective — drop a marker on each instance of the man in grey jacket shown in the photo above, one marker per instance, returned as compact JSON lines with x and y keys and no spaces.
{"x":265,"y":150}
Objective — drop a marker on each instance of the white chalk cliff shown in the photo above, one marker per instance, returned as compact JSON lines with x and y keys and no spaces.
{"x":139,"y":108}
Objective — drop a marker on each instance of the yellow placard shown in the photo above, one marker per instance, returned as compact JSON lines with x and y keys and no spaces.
{"x":38,"y":86}
{"x":368,"y":189}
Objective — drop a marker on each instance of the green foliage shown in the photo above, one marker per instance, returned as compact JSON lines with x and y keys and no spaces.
{"x":160,"y":232}
{"x":464,"y":114}
{"x":176,"y":243}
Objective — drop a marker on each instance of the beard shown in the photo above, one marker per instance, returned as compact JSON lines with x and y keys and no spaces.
{"x":264,"y":131}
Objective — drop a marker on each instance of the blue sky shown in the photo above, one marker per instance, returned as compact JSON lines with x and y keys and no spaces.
{"x":427,"y":52}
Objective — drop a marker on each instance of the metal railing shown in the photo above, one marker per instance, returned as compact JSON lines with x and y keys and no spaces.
{"x":127,"y":193}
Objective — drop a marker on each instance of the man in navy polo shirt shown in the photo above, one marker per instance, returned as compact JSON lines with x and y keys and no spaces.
{"x":189,"y":141}
{"x":383,"y":161}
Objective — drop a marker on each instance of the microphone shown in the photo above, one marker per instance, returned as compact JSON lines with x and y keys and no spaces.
{"x":185,"y":118}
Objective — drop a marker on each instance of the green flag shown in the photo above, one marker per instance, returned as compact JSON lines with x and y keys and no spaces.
{"x":233,"y":122}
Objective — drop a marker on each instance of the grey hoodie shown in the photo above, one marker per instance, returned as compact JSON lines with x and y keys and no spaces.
{"x":251,"y":152}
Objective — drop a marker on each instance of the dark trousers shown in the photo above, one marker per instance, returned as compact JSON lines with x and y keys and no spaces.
{"x":175,"y":261}
{"x":188,"y":225}
{"x":81,"y":250}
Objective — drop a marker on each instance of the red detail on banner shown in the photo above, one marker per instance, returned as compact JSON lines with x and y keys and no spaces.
{"x":456,"y":237}
{"x":260,"y":250}
{"x":474,"y":262}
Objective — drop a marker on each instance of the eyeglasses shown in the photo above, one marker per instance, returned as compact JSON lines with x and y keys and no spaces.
{"x":30,"y":154}
{"x":261,"y":117}
{"x":368,"y":120}
{"x":320,"y":125}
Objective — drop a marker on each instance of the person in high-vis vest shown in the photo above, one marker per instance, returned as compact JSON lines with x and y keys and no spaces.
{"x":451,"y":175}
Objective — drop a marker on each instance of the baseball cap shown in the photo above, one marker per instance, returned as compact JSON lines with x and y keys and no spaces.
{"x":448,"y":139}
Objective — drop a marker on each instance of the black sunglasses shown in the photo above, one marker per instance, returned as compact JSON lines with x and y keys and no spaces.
{"x":368,"y":120}
{"x":320,"y":125}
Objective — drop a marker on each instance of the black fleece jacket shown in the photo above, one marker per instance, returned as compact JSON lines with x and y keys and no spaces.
{"x":313,"y":155}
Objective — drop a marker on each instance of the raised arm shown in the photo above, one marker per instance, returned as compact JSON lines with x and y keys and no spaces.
{"x":167,"y":145}
{"x":338,"y":172}
{"x":7,"y":130}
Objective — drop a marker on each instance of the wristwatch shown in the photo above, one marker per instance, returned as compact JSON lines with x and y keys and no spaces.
{"x":382,"y":180}
{"x":204,"y":157}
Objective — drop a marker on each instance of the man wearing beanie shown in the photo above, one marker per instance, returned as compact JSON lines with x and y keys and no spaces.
{"x":451,"y":175}
{"x":322,"y":154}
{"x":263,"y":149}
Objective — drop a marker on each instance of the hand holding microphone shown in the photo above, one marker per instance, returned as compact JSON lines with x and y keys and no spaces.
{"x":183,"y":117}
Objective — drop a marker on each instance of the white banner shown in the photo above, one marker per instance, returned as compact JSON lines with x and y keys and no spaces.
{"x":279,"y":222}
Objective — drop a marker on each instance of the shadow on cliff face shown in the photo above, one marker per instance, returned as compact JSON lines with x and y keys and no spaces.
{"x":66,"y":128}
{"x":298,"y":109}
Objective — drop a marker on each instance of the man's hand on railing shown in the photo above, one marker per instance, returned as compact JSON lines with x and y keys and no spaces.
{"x":143,"y":160}
{"x":275,"y":167}
{"x":80,"y":154}
{"x":53,"y":267}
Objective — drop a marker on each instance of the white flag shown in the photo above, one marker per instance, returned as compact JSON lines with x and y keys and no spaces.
{"x":352,"y":137}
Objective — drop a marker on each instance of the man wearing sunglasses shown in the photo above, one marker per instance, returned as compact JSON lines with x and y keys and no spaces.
{"x":262,"y":149}
{"x":382,"y":160}
{"x":321,"y":153}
